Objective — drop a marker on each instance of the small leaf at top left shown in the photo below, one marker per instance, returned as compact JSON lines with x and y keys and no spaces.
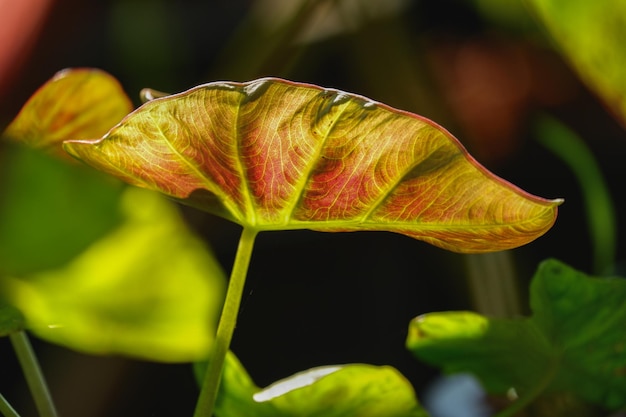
{"x":78,"y":103}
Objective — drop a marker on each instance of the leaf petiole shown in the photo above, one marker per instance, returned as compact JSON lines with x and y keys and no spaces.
{"x":32,"y":373}
{"x":226,"y":327}
{"x":5,"y":408}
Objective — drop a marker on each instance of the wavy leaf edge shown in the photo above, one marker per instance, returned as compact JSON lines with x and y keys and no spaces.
{"x":223,"y":204}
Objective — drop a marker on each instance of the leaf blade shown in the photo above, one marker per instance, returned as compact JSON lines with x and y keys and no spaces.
{"x":148,"y":289}
{"x":330,"y":391}
{"x":574,"y":341}
{"x":590,"y":35}
{"x":75,"y":103}
{"x":273,"y":155}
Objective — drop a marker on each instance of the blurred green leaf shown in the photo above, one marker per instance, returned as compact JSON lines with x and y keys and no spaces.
{"x":149,"y":289}
{"x":50,"y":210}
{"x":11,"y":320}
{"x":591,"y":34}
{"x":574,"y":342}
{"x":328,"y":391}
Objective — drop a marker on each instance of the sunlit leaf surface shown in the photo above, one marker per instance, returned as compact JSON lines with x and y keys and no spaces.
{"x":591,"y":34}
{"x":75,"y":103}
{"x":574,"y":341}
{"x":147,"y":289}
{"x":329,"y":391}
{"x":272,"y":155}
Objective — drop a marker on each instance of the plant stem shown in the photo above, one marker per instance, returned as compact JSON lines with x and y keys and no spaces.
{"x":226,"y":327}
{"x":5,"y":408}
{"x":601,"y":217}
{"x":32,"y":373}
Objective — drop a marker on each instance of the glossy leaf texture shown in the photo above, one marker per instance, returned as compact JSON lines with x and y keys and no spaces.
{"x":329,"y":391}
{"x":591,"y":35}
{"x":273,"y":155}
{"x":574,"y":342}
{"x":148,"y":289}
{"x":76,"y":103}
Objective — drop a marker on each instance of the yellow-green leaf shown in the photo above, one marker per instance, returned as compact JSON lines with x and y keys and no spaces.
{"x":74,"y":104}
{"x":328,"y":391}
{"x":148,"y":289}
{"x":591,"y":35}
{"x":573,"y":343}
{"x":273,"y":155}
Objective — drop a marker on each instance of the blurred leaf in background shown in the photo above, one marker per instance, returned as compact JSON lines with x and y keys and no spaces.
{"x":91,"y":265}
{"x":50,"y":210}
{"x":574,"y":342}
{"x":591,"y":34}
{"x":149,"y":289}
{"x":75,"y":104}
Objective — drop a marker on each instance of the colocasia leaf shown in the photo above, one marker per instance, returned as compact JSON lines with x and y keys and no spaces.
{"x":74,"y":104}
{"x":273,"y":155}
{"x":574,"y":341}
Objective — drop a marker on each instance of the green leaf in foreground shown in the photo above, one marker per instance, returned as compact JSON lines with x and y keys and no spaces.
{"x":274,"y":155}
{"x":591,"y":35}
{"x":50,"y":210}
{"x":148,"y":289}
{"x":329,"y":391}
{"x":574,"y":342}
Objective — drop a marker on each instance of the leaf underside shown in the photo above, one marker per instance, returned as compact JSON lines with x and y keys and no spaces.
{"x":274,"y":155}
{"x":574,"y":342}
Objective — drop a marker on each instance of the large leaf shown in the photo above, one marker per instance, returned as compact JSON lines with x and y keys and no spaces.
{"x":574,"y":342}
{"x":328,"y":391}
{"x":272,"y":154}
{"x":149,"y":289}
{"x":75,"y":103}
{"x":591,"y":35}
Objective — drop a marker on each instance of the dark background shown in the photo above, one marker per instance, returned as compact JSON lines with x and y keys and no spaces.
{"x":313,"y":298}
